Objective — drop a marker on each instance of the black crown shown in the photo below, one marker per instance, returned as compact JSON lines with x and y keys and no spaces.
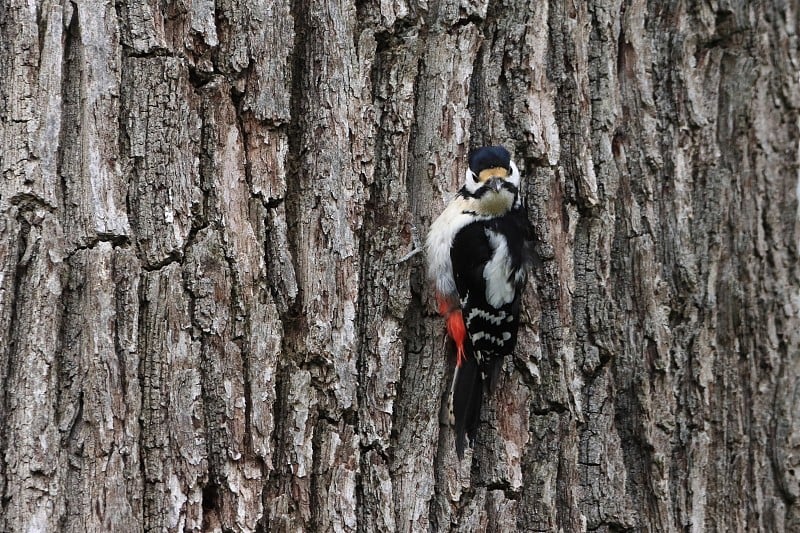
{"x":489,"y":157}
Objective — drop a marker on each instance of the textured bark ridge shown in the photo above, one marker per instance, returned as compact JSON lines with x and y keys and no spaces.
{"x":213,"y":315}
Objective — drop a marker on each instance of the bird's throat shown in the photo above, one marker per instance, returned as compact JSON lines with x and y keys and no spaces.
{"x":495,"y":203}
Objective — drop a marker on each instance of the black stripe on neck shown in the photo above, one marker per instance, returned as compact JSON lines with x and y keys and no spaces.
{"x":485,"y":189}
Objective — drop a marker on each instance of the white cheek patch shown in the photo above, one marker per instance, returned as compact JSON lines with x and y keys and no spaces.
{"x":514,"y":177}
{"x":469,"y":181}
{"x":499,"y":290}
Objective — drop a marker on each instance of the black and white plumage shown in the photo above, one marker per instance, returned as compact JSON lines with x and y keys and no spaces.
{"x":478,"y":253}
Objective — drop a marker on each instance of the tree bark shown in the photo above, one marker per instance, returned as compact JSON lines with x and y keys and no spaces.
{"x":213,"y":313}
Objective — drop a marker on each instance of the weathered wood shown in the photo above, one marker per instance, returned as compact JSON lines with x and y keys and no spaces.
{"x":33,"y":458}
{"x":99,"y":391}
{"x":162,"y":131}
{"x":213,"y":309}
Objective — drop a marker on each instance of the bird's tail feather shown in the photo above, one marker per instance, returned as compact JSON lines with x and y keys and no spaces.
{"x":467,"y":396}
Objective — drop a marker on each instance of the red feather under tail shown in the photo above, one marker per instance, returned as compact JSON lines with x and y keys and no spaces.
{"x":456,"y":329}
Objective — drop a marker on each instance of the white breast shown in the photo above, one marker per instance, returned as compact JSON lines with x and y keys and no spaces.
{"x":440,"y":240}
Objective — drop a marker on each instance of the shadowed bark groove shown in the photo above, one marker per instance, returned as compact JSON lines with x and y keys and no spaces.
{"x":213,"y":307}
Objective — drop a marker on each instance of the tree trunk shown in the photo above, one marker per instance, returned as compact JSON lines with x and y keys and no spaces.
{"x":213,"y":316}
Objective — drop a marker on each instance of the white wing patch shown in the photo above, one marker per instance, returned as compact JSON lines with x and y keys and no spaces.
{"x":499,"y":289}
{"x":489,"y":317}
{"x":491,"y":338}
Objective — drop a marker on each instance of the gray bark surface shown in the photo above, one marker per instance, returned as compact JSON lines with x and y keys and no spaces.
{"x":213,"y":316}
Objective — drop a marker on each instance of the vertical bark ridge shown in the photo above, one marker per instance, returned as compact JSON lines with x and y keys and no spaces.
{"x":325,"y":206}
{"x":385,"y":272}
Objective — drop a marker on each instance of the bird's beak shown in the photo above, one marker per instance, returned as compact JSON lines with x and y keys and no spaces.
{"x":496,"y":184}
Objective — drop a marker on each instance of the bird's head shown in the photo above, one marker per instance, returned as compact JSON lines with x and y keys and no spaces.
{"x":492,"y":179}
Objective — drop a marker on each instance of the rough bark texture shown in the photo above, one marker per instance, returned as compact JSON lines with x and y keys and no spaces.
{"x":211,"y":312}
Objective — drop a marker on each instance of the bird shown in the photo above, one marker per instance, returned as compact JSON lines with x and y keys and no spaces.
{"x":479,"y":251}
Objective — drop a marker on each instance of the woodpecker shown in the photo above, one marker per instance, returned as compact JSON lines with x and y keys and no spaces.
{"x":478,"y":252}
